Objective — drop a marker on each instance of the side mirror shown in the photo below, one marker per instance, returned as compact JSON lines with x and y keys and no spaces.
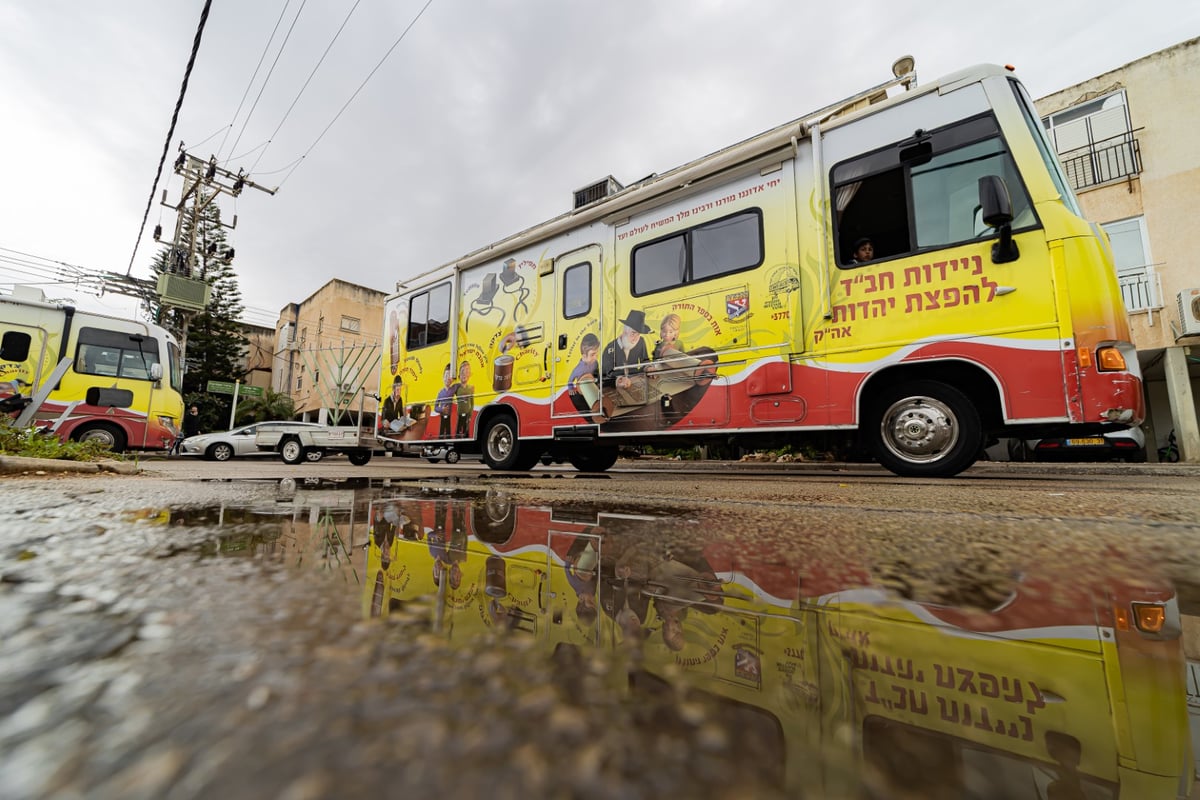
{"x":156,"y":372}
{"x":996,"y":205}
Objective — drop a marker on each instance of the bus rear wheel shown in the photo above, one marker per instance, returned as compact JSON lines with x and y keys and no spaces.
{"x":503,"y":449}
{"x":924,"y":429}
{"x":104,"y":433}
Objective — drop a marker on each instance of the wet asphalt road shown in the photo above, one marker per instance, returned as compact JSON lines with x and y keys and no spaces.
{"x":204,"y":630}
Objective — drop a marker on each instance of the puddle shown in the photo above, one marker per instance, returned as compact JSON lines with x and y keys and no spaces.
{"x":784,"y":667}
{"x":840,"y":679}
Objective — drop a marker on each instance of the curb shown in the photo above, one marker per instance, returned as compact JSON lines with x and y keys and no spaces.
{"x":10,"y":465}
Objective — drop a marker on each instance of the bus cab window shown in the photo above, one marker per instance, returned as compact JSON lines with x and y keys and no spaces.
{"x":913,"y":197}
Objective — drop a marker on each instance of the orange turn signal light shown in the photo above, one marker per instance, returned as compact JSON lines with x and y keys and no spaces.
{"x":1149,"y":617}
{"x":1085,"y":357}
{"x":1110,"y":359}
{"x":1122,"y":618}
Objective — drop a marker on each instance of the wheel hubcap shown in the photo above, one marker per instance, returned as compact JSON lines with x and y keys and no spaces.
{"x":500,"y":443}
{"x":919,"y":429}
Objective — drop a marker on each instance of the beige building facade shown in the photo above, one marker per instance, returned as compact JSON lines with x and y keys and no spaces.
{"x":1125,"y":140}
{"x":327,"y":353}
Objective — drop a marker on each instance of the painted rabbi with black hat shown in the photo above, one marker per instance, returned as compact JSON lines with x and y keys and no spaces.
{"x":627,"y":354}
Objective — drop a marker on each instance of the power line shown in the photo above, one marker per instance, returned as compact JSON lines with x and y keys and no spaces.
{"x":187,"y":73}
{"x":270,"y":72}
{"x":359,"y":89}
{"x":308,"y":80}
{"x":261,"y":58}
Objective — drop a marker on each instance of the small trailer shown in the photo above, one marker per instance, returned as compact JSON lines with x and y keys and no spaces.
{"x":301,"y":443}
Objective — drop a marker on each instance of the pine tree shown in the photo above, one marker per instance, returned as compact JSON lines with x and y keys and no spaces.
{"x":214,"y":342}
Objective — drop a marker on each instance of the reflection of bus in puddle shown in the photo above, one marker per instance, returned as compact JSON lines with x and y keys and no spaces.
{"x":1058,"y":690}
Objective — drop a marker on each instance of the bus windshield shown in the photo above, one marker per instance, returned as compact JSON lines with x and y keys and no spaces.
{"x":1043,"y":145}
{"x":115,"y":354}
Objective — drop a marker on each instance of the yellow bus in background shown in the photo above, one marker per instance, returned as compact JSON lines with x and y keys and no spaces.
{"x":123,"y":382}
{"x":1060,"y":687}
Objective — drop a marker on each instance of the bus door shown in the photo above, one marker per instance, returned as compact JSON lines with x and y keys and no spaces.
{"x":574,"y":347}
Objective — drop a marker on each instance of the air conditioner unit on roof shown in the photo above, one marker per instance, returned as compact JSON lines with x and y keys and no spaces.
{"x":1189,"y":312}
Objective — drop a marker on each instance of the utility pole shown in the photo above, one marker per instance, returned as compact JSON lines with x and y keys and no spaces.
{"x":183,"y":286}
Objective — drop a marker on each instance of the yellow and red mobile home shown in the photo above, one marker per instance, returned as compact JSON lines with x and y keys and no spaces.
{"x":908,"y":268}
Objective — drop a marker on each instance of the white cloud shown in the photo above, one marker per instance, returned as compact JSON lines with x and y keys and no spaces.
{"x":481,"y":123}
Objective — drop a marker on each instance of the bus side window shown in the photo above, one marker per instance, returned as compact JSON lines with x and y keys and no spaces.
{"x":15,"y":346}
{"x":873,"y":206}
{"x":921,"y":194}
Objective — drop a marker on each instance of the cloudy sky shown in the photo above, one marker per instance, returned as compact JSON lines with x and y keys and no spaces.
{"x":481,"y":122}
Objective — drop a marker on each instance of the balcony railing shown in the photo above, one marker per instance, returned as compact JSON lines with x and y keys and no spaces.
{"x":1140,"y":287}
{"x":1100,"y":162}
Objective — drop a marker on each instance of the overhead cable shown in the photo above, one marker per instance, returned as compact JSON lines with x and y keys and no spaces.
{"x":171,"y":131}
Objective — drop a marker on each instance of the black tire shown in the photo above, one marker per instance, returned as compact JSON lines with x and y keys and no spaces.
{"x":433,"y":460}
{"x":291,"y":451}
{"x":221,"y":451}
{"x":104,"y":433}
{"x":359,"y":458}
{"x":596,"y":458}
{"x":924,"y":429}
{"x":503,"y":449}
{"x":452,"y":456}
{"x":1018,"y":450}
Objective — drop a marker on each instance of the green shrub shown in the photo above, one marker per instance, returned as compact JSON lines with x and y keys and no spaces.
{"x":31,"y":442}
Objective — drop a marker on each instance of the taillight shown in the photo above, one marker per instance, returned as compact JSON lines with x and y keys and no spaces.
{"x":1149,"y":617}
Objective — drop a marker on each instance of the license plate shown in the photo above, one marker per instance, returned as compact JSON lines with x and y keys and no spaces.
{"x":1086,"y":442}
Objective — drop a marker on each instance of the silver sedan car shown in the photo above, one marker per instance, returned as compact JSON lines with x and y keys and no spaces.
{"x":237,"y":442}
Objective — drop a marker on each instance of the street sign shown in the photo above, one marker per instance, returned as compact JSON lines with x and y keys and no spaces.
{"x":225,"y":387}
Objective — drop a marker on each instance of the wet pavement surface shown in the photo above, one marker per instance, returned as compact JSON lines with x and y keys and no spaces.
{"x":635,"y":637}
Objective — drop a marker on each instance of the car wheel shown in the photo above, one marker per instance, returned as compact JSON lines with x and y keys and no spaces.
{"x":313,"y":455}
{"x":924,"y":429}
{"x":220,"y":452}
{"x":359,"y":457}
{"x":291,"y":451}
{"x":452,"y":456}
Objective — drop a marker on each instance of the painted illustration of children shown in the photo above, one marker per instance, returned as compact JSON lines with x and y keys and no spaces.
{"x":588,"y":368}
{"x":444,"y":405}
{"x":668,"y":346}
{"x":464,"y":395}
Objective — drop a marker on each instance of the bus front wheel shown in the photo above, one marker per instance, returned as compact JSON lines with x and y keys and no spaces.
{"x":924,"y":429}
{"x":104,"y":433}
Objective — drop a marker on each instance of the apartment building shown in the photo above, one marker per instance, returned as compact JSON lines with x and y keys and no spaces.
{"x":1125,"y":141}
{"x":327,"y":351}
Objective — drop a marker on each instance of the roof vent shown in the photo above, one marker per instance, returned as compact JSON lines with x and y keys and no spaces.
{"x":597,"y":191}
